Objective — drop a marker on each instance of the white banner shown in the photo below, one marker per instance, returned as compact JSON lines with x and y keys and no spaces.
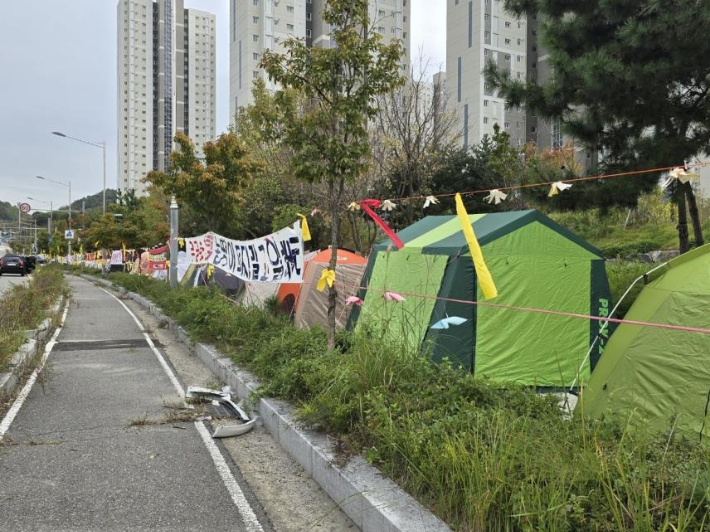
{"x":277,"y":257}
{"x":199,"y":249}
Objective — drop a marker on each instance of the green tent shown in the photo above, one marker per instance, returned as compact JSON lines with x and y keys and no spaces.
{"x":535,"y":263}
{"x":650,"y":375}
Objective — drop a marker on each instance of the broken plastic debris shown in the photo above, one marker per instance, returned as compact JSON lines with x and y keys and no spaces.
{"x":224,"y":397}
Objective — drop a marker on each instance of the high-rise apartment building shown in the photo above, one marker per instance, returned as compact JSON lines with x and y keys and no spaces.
{"x":257,"y":25}
{"x":479,"y":31}
{"x":166,"y":84}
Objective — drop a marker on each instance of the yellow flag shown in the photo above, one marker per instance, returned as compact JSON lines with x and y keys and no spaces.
{"x":326,"y":277}
{"x":210,"y":271}
{"x":484,"y":276}
{"x":304,"y":228}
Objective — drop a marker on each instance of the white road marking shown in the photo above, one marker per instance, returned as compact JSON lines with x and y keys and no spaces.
{"x":20,"y":399}
{"x":157,"y":353}
{"x":245,"y":510}
{"x":240,"y":501}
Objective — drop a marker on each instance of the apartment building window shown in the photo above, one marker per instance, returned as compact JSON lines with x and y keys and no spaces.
{"x":255,"y":20}
{"x":255,"y":38}
{"x":309,"y":15}
{"x":309,"y":33}
{"x":381,"y":13}
{"x":255,"y":2}
{"x":507,"y":41}
{"x":289,"y":9}
{"x":506,"y":125}
{"x":255,"y":56}
{"x":520,"y":42}
{"x":507,"y":24}
{"x":255,"y":74}
{"x":520,"y":58}
{"x":465,"y":126}
{"x":485,"y":119}
{"x":289,"y":27}
{"x":485,"y":103}
{"x":458,"y":76}
{"x":381,"y":30}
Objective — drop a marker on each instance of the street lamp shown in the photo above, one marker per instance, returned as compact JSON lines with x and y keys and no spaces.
{"x":68,"y":221}
{"x":101,"y":145}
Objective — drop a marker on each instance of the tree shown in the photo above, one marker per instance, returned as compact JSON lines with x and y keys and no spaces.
{"x":329,"y":138}
{"x":414,"y":131}
{"x":630,"y":79}
{"x":209,"y":192}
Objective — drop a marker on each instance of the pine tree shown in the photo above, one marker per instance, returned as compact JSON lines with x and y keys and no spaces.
{"x":630,"y":78}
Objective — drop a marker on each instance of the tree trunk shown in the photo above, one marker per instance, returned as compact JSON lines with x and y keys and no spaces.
{"x":334,"y":238}
{"x":694,"y":215}
{"x":683,"y":244}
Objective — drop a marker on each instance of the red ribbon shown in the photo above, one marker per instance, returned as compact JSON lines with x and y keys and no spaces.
{"x":367,"y":206}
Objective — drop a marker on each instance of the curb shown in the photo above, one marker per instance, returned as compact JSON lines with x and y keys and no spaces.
{"x":27,"y":351}
{"x":373,"y":502}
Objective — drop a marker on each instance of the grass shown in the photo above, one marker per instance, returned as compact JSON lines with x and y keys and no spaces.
{"x":25,"y":306}
{"x":482,"y":456}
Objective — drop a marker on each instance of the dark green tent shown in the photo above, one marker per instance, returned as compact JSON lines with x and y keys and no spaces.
{"x":535,"y":263}
{"x":656,"y":377}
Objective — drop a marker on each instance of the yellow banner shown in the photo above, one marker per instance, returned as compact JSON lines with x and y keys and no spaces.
{"x":484,"y":276}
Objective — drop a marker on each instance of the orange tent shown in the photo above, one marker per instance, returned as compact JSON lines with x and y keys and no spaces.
{"x":310,"y":307}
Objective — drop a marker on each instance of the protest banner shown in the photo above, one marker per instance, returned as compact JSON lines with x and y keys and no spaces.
{"x":277,"y":257}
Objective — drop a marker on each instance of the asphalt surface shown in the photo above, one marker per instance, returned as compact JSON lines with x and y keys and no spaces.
{"x":7,"y":280}
{"x":79,"y":457}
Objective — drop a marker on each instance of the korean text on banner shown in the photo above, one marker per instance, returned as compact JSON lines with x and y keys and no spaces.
{"x":277,"y":257}
{"x":199,"y":249}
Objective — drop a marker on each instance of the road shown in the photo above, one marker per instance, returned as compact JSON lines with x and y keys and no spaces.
{"x":9,"y":279}
{"x":94,"y":448}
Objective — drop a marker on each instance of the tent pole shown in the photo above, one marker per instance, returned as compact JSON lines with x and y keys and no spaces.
{"x":611,"y":315}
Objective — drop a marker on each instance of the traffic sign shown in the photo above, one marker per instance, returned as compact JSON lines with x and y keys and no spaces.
{"x":25,"y":207}
{"x":69,"y":234}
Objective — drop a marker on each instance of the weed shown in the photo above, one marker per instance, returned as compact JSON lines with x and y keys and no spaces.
{"x":25,"y":306}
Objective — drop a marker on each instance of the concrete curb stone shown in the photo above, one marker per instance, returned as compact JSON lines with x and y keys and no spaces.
{"x":373,"y":502}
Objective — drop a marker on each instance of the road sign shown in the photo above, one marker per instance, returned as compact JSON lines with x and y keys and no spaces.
{"x":25,"y":207}
{"x":69,"y":234}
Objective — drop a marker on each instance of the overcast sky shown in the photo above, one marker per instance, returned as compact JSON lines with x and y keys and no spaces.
{"x":58,"y":69}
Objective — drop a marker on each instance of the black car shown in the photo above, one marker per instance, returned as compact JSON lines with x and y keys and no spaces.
{"x":30,"y":262}
{"x":13,"y":264}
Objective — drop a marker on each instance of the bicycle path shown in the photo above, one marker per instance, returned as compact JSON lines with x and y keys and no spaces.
{"x":77,"y":456}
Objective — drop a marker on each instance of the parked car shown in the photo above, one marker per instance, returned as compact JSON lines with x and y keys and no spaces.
{"x":41,"y":259}
{"x":13,"y":264}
